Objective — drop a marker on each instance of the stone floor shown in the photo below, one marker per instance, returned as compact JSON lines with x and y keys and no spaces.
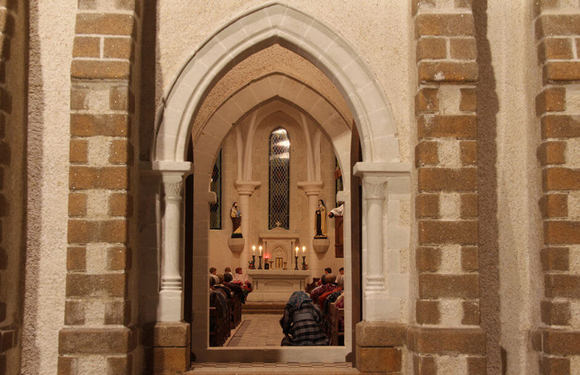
{"x":257,"y":330}
{"x":273,"y":368}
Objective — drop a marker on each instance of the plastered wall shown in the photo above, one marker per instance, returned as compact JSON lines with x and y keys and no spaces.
{"x":48,"y":150}
{"x":193,"y":22}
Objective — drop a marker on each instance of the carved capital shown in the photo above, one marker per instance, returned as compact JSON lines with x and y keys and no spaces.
{"x":374,"y":187}
{"x":173,"y":189}
{"x":247,"y":187}
{"x":311,"y":187}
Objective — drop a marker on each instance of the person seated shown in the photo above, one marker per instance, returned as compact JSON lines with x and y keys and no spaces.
{"x":213,"y":275}
{"x":228,"y":270}
{"x":301,"y":322}
{"x":327,"y":285}
{"x":240,"y":278}
{"x":340,"y":277}
{"x":327,"y":271}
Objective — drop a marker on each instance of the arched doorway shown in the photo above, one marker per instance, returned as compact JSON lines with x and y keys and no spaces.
{"x":294,"y":31}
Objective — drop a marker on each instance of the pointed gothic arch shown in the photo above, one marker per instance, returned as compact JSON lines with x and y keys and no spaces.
{"x":381,"y":169}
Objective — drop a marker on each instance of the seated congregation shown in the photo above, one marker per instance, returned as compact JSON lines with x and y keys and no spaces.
{"x":311,"y":317}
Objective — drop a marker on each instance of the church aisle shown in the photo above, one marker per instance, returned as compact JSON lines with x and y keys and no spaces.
{"x":258,"y":330}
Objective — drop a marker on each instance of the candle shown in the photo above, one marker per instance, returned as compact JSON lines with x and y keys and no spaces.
{"x":254,"y":249}
{"x":296,"y":250}
{"x":260,"y":249}
{"x":303,"y":249}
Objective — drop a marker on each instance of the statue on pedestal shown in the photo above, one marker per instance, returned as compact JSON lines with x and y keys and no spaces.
{"x":236,"y":217}
{"x":320,"y":213}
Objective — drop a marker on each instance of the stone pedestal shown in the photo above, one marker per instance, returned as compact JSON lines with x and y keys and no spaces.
{"x":170,"y":348}
{"x":379,"y":347}
{"x":320,"y":245}
{"x":236,"y":245}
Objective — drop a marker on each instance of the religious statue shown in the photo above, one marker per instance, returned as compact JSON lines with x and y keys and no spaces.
{"x":320,"y":214}
{"x":236,"y":216}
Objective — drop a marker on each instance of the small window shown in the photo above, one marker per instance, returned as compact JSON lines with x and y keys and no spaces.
{"x":279,"y":191}
{"x":215,"y":209}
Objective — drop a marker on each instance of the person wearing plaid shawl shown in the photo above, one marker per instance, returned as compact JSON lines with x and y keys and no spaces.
{"x":301,"y":322}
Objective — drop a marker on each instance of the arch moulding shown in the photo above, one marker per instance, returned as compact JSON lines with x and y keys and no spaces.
{"x":381,"y":169}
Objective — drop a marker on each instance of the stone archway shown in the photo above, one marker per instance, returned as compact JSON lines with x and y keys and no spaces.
{"x":381,"y":169}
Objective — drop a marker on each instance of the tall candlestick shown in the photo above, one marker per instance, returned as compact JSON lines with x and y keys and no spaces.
{"x":260,"y":249}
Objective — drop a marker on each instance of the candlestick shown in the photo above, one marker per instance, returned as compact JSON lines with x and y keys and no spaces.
{"x":260,"y":264}
{"x":253,"y":261}
{"x":260,"y":249}
{"x":304,"y":262}
{"x":296,"y":263}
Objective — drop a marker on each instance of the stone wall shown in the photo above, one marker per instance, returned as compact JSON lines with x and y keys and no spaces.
{"x":557,"y":28}
{"x":13,"y":58}
{"x":100,"y":333}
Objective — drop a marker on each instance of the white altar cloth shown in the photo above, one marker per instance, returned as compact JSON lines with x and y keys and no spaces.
{"x":276,"y":285}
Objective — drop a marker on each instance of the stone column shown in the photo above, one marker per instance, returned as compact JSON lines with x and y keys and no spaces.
{"x":312,"y":190}
{"x":170,"y":308}
{"x":245,"y":190}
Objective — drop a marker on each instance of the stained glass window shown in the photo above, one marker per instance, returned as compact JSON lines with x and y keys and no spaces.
{"x":279,"y":192}
{"x":215,"y":209}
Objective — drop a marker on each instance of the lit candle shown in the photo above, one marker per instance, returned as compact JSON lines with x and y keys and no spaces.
{"x":296,"y":250}
{"x":303,"y":249}
{"x":260,"y":249}
{"x":254,"y":249}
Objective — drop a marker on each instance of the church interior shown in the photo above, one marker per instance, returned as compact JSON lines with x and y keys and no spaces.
{"x":275,"y":179}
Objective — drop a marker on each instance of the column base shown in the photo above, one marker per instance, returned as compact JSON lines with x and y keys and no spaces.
{"x":169,"y":308}
{"x":170,"y":352}
{"x":379,"y":347}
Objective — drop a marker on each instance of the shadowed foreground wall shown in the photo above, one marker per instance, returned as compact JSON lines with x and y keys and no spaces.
{"x":13,"y":57}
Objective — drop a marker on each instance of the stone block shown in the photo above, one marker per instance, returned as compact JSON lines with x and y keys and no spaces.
{"x":448,"y":286}
{"x":431,"y":48}
{"x":89,"y":285}
{"x":100,"y":69}
{"x":470,"y":313}
{"x":426,"y":154}
{"x":559,"y":126}
{"x":552,"y":153}
{"x":448,"y":71}
{"x":560,"y":342}
{"x":170,"y":359}
{"x":555,"y":313}
{"x":120,"y":152}
{"x":562,"y":71}
{"x":551,"y":99}
{"x":427,"y":312}
{"x":469,"y":258}
{"x":77,"y":204}
{"x":447,"y":179}
{"x":557,"y":24}
{"x":555,"y":259}
{"x":555,"y":49}
{"x":428,"y":259}
{"x":120,"y":204}
{"x":386,"y":360}
{"x":118,"y":48}
{"x":463,"y":48}
{"x":562,"y":285}
{"x":76,"y":258}
{"x":448,"y":232}
{"x":444,"y":24}
{"x":78,"y":151}
{"x":447,"y":340}
{"x":103,"y":23}
{"x":95,"y":341}
{"x":83,"y":125}
{"x":426,"y":100}
{"x":380,"y":334}
{"x":86,"y":46}
{"x":468,"y":101}
{"x":561,"y":179}
{"x":427,"y":206}
{"x":113,"y":178}
{"x":168,"y":335}
{"x":554,"y":205}
{"x":562,"y":232}
{"x":454,"y":126}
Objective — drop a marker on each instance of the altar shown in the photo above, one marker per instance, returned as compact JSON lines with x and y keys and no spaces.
{"x":276,"y":285}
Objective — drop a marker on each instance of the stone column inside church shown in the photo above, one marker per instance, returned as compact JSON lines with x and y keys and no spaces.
{"x":312,"y":190}
{"x":245,"y":190}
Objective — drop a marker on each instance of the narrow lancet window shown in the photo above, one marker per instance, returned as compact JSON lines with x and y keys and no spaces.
{"x":279,"y":189}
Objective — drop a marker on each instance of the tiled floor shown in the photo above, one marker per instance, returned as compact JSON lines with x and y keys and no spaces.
{"x":258,"y":330}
